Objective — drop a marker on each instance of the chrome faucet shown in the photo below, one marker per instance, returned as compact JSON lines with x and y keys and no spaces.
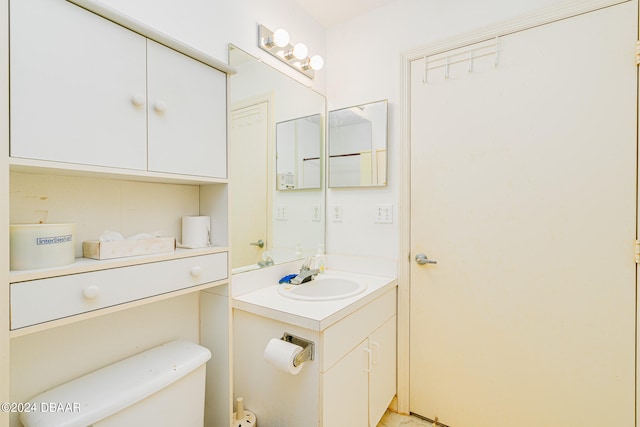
{"x":306,"y":274}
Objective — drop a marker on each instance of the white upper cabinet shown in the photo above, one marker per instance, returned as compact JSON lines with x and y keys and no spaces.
{"x":187,"y":114}
{"x":75,"y":81}
{"x":85,"y":90}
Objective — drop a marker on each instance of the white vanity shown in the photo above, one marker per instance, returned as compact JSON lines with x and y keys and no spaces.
{"x":351,"y":380}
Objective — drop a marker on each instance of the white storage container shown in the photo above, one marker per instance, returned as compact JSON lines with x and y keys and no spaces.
{"x":34,"y":246}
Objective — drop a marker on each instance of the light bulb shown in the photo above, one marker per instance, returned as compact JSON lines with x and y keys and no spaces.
{"x":316,"y":62}
{"x":281,"y":37}
{"x":300,"y":51}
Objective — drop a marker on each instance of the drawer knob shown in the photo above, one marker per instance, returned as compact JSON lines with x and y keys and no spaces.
{"x":91,"y":292}
{"x":196,"y":271}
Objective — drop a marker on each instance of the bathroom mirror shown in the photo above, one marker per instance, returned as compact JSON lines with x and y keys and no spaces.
{"x":298,"y":150}
{"x":358,"y":146}
{"x":267,"y":109}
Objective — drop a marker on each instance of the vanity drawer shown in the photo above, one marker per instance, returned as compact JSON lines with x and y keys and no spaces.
{"x":43,"y":300}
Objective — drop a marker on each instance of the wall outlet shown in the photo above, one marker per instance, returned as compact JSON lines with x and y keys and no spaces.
{"x":384,"y":214}
{"x":281,"y":213}
{"x":315,"y":213}
{"x":336,"y":213}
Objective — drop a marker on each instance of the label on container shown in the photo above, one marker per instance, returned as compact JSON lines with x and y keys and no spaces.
{"x":53,"y":240}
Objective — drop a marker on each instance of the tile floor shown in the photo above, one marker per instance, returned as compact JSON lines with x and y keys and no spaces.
{"x":391,"y":419}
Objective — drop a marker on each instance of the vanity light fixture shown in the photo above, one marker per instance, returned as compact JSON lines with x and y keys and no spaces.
{"x":277,"y":43}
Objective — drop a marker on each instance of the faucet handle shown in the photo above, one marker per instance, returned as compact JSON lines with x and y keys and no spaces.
{"x":306,"y":265}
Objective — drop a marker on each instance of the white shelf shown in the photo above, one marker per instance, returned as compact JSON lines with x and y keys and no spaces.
{"x":70,"y":169}
{"x":85,"y":265}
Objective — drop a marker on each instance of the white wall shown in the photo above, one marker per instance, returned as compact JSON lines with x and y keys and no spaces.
{"x":209,"y":25}
{"x":363,"y":65}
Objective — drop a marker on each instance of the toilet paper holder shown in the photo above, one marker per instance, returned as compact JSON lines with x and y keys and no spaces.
{"x":307,"y":348}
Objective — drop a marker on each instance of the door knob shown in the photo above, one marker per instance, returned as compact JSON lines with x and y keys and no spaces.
{"x":422,"y":259}
{"x":259,"y":243}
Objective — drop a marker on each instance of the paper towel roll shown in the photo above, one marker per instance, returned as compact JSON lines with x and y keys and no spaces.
{"x":281,"y":354}
{"x":196,"y":231}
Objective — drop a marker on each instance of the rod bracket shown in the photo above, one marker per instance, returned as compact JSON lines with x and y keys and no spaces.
{"x":307,"y":352}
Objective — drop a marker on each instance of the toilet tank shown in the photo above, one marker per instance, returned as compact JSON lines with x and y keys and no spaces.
{"x":163,"y":386}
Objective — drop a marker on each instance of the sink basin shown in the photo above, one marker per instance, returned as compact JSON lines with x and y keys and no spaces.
{"x":323,"y":289}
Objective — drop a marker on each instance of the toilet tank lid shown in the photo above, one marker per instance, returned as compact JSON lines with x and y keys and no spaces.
{"x":95,"y":396}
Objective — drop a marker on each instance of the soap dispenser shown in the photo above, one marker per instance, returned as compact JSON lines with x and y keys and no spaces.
{"x":319,"y":260}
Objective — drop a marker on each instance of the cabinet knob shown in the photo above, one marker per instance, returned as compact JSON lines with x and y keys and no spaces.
{"x":138,"y":100}
{"x":196,"y":271}
{"x":160,"y":106}
{"x":91,"y":292}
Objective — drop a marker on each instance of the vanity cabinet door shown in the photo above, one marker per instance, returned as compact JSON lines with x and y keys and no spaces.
{"x":78,"y":87}
{"x":382,"y":378}
{"x":345,"y":396}
{"x":187,"y":106}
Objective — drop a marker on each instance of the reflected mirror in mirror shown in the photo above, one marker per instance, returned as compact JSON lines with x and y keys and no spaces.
{"x":358,"y":146}
{"x":298,"y":153}
{"x":269,"y":227}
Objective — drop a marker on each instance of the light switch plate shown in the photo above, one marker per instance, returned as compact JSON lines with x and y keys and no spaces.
{"x":281,"y":213}
{"x":384,"y":214}
{"x":336,"y":213}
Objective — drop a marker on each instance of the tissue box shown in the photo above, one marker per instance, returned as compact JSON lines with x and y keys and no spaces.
{"x":96,"y":249}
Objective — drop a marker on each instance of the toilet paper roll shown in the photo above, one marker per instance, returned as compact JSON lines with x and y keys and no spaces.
{"x":196,"y":231}
{"x":281,"y":354}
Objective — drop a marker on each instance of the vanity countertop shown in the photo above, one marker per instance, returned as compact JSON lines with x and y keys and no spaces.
{"x":314,"y":315}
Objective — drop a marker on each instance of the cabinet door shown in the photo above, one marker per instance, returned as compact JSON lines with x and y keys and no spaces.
{"x":74,"y":76}
{"x":345,"y":399}
{"x":187,"y":115}
{"x":382,"y":380}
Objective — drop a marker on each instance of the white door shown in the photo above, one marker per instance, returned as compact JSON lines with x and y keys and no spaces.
{"x":248,"y":149}
{"x":523,"y":189}
{"x":187,"y":114}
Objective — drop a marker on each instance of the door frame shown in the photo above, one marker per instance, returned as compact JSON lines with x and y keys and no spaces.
{"x":524,"y":22}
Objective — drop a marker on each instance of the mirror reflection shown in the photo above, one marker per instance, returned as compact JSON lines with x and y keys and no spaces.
{"x":298,"y":149}
{"x":268,"y":226}
{"x":358,"y":146}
